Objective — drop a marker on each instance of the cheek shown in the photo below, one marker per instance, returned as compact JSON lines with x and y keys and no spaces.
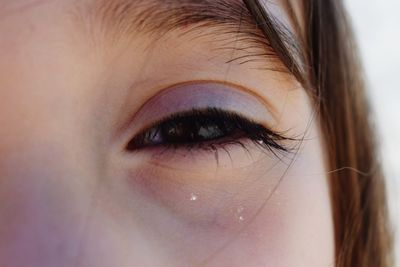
{"x":295,"y":227}
{"x":265,"y":214}
{"x":194,"y":214}
{"x":210,"y":198}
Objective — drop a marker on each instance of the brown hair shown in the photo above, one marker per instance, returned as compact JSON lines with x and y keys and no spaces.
{"x":328,"y":66}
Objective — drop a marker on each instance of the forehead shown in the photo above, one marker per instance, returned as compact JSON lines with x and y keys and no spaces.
{"x":141,"y":13}
{"x":110,"y":20}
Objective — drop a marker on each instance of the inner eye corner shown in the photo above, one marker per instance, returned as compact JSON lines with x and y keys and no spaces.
{"x":130,"y":146}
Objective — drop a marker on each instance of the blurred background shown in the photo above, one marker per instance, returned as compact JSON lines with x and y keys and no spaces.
{"x":377,"y":28}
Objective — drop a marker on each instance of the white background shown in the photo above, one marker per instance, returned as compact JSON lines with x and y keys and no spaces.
{"x":377,"y":27}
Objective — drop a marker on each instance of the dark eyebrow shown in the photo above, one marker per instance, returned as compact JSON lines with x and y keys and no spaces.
{"x":258,"y":31}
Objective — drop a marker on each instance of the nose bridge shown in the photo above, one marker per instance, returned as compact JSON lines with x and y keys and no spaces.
{"x":46,"y":181}
{"x":29,"y":223}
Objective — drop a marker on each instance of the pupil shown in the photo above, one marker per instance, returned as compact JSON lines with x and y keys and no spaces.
{"x":191,"y":130}
{"x":210,"y":132}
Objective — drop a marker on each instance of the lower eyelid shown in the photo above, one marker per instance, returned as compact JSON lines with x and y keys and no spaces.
{"x":220,"y":200}
{"x":229,"y":154}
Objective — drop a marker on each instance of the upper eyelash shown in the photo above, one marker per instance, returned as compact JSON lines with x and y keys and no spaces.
{"x":260,"y":135}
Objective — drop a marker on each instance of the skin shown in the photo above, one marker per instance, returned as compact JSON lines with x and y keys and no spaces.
{"x":71,"y":195}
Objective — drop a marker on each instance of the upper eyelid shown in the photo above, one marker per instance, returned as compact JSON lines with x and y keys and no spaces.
{"x":243,"y":101}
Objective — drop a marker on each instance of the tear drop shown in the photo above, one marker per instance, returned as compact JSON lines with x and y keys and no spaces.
{"x":239,"y":214}
{"x":193,"y":197}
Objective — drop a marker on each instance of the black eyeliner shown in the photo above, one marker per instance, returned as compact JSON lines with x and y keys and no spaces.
{"x":229,"y":122}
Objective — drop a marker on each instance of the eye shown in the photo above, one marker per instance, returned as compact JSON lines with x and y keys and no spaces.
{"x":206,"y":128}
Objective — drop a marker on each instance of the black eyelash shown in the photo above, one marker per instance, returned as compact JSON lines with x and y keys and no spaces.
{"x":232,"y":126}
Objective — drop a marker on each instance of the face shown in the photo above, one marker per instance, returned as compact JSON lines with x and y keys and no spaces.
{"x":140,"y":139}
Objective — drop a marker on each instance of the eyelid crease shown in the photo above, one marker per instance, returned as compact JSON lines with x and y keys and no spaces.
{"x":272,"y":110}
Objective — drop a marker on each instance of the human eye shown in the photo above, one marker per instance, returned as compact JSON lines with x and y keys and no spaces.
{"x":211,"y":128}
{"x":207,"y":117}
{"x":201,"y":150}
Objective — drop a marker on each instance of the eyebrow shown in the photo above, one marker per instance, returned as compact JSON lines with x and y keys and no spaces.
{"x":247,"y":20}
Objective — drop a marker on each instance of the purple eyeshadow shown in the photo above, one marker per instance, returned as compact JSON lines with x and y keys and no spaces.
{"x":187,"y":97}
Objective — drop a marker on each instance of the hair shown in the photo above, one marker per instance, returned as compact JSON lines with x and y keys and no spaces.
{"x":329,"y":69}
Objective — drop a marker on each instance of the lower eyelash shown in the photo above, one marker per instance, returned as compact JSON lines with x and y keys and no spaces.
{"x":225,"y":145}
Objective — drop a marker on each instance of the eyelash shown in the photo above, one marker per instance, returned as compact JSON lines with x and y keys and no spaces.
{"x":232,"y":128}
